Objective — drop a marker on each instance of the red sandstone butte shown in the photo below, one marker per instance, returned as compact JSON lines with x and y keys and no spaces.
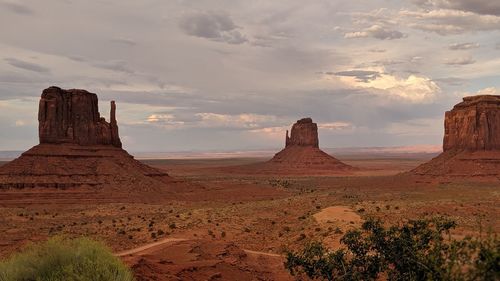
{"x":78,"y":148}
{"x":302,"y":152}
{"x":473,"y":124}
{"x":303,"y":133}
{"x":72,"y":116}
{"x":471,"y":144}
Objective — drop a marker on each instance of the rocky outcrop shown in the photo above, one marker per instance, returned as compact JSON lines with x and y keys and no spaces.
{"x":302,"y":155}
{"x":304,"y":133}
{"x":471,"y":144}
{"x":72,"y":116}
{"x":78,"y":148}
{"x":473,"y":124}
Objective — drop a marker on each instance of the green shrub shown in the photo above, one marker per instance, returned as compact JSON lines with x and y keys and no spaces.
{"x":60,"y":259}
{"x":417,"y":250}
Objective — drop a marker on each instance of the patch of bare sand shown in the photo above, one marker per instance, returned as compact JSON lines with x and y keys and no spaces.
{"x":338,"y":214}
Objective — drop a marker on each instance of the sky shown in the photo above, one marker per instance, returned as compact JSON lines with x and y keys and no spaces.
{"x":201,"y":75}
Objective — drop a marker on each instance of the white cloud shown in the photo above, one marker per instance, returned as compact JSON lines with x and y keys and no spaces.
{"x":463,"y":46}
{"x":167,"y":121}
{"x":244,"y":120}
{"x":460,"y":61}
{"x":449,"y":22}
{"x":376,"y":31}
{"x":160,"y":117}
{"x":413,"y":88}
{"x":335,"y":126}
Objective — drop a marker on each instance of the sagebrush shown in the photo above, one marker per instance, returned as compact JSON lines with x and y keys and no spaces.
{"x":61,"y":259}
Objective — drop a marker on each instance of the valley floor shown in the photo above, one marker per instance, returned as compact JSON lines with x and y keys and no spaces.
{"x":226,"y":225}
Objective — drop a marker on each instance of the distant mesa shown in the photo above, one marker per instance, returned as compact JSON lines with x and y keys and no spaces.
{"x":471,"y":144}
{"x":302,"y":151}
{"x":78,"y":148}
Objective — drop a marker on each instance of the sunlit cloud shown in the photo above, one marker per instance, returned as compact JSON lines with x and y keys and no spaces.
{"x":335,"y":126}
{"x":376,"y":31}
{"x":463,"y":46}
{"x":413,"y":88}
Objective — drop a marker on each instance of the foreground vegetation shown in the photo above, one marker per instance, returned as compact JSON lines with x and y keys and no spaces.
{"x":417,"y":250}
{"x":60,"y":259}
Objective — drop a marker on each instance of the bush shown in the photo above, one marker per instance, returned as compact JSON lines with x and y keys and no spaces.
{"x":417,"y":250}
{"x":60,"y":259}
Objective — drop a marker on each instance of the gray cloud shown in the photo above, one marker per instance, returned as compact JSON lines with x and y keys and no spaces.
{"x":460,"y":61}
{"x":360,"y":75}
{"x":124,"y":41}
{"x":485,"y":7}
{"x":117,"y":65}
{"x":376,"y":31}
{"x":77,"y":58}
{"x":463,"y":46}
{"x":215,"y":26}
{"x":27,"y":65}
{"x":17,"y":8}
{"x":452,"y":81}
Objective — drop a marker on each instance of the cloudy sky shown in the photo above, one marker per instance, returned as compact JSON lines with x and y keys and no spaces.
{"x":231,"y":74}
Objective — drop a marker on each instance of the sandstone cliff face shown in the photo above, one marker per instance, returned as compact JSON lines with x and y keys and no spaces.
{"x":72,"y":116}
{"x":471,"y":145}
{"x":77,"y":149}
{"x":304,"y":133}
{"x":473,"y":124}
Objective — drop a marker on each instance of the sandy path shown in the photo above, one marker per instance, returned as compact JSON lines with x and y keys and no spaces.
{"x":261,"y":253}
{"x":145,"y":247}
{"x":148,"y":246}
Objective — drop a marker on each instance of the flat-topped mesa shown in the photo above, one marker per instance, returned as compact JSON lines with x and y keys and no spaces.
{"x":72,"y":116}
{"x":304,"y":133}
{"x":473,"y":124}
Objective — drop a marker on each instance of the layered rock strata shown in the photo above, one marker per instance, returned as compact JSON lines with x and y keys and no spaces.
{"x":78,"y":148}
{"x":471,"y":143}
{"x":302,"y":151}
{"x":72,"y":116}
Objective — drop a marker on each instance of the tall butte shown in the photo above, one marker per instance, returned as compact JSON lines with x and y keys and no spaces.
{"x":302,"y":153}
{"x":471,"y":144}
{"x":78,"y":148}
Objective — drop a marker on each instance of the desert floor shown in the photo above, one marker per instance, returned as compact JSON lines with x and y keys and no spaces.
{"x":234,"y":226}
